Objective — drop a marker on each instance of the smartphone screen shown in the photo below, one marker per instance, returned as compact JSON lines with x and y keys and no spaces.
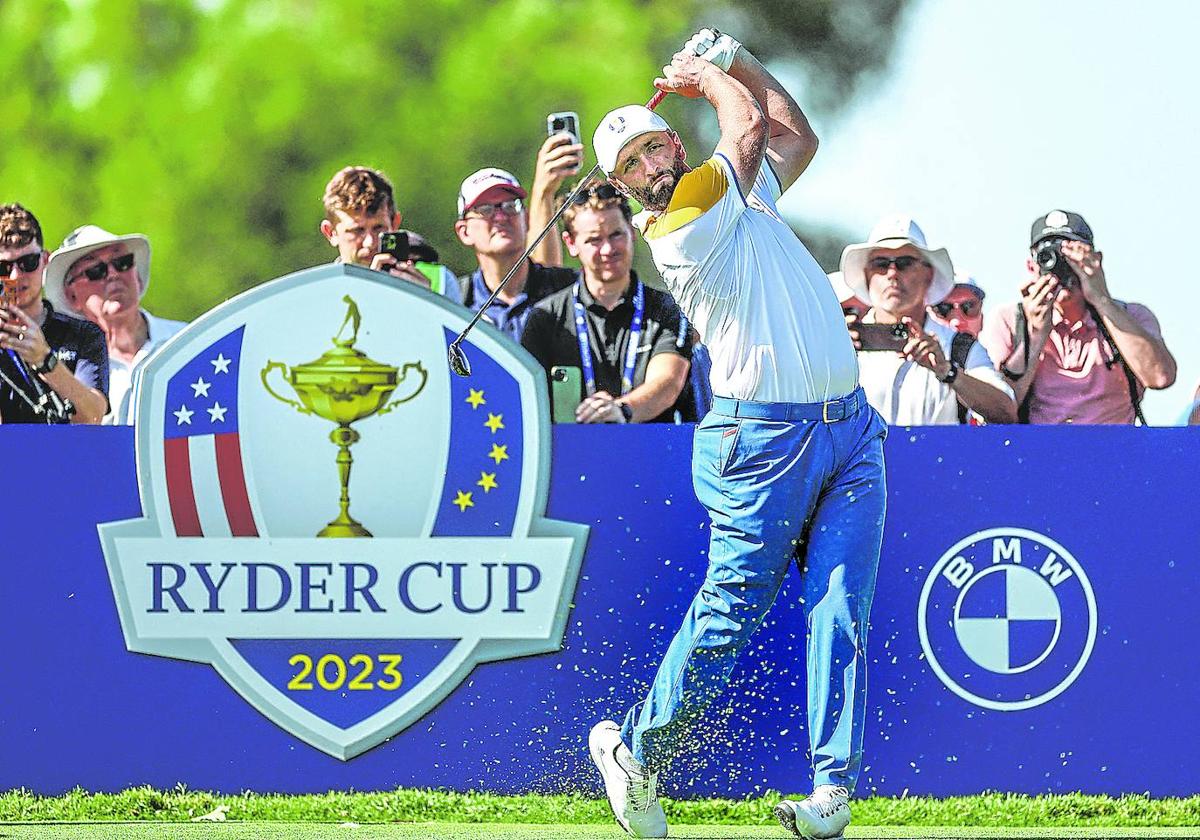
{"x":566,"y":392}
{"x":563,"y":121}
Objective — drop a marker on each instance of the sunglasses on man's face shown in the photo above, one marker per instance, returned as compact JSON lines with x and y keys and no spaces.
{"x":882,"y":264}
{"x":24,"y":264}
{"x":97,"y":272}
{"x":485,"y":211}
{"x":969,"y":308}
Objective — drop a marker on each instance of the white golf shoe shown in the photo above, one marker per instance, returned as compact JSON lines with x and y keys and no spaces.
{"x":629,"y":785}
{"x":822,"y":816}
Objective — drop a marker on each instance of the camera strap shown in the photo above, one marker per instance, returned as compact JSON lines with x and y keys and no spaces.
{"x":585,"y":344}
{"x":1118,"y":358}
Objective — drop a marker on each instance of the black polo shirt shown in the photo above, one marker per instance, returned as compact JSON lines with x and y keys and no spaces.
{"x":550,"y":336}
{"x":80,"y":347}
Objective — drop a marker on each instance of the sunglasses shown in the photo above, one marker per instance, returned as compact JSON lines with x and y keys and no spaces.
{"x":969,"y":308}
{"x":24,"y":264}
{"x":603,"y":192}
{"x":97,"y":272}
{"x":485,"y":211}
{"x":882,"y":264}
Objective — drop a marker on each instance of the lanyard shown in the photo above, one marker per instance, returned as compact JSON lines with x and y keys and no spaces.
{"x":585,"y":344}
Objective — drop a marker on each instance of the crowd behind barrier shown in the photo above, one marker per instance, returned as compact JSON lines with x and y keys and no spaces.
{"x":616,"y":348}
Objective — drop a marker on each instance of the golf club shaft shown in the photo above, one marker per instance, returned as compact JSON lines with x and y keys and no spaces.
{"x":550,"y":226}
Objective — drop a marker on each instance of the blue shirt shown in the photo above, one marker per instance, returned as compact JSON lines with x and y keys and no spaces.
{"x":510,"y":319}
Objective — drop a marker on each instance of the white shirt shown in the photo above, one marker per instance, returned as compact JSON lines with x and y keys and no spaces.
{"x":120,"y":375}
{"x":906,"y":394}
{"x":765,"y":309}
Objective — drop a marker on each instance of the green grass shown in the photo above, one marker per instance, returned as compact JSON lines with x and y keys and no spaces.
{"x":149,"y":813}
{"x":445,"y":831}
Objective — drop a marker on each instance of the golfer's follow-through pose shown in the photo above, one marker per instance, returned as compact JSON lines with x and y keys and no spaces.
{"x":789,"y":462}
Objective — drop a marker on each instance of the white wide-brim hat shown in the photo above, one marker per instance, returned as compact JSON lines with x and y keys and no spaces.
{"x":78,"y":244}
{"x":896,"y":232}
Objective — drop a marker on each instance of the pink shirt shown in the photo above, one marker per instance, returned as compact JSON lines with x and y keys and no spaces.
{"x":1072,"y":383}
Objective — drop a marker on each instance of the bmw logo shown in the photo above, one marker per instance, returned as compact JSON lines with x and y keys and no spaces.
{"x":1007,"y":619}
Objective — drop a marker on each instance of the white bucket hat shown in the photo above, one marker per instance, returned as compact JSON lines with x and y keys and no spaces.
{"x":618,"y":127}
{"x":896,"y":232}
{"x":78,"y":244}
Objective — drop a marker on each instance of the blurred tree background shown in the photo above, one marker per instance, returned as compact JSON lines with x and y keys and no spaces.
{"x":212,"y":126}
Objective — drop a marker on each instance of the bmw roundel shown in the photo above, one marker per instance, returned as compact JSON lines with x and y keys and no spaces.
{"x":1007,"y":619}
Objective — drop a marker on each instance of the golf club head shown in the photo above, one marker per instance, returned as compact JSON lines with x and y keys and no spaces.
{"x":458,"y":360}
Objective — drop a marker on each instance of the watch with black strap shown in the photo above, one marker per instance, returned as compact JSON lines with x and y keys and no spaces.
{"x":626,"y":411}
{"x":49,"y":364}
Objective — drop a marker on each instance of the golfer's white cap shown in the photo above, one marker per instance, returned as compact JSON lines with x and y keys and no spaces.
{"x":619,"y":127}
{"x":484,"y":181}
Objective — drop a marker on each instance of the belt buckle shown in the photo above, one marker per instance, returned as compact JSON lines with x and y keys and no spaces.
{"x":826,"y":418}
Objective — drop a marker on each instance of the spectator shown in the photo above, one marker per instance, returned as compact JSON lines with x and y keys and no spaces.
{"x":557,"y":160}
{"x":101,"y":277}
{"x":962,"y":309}
{"x":624,"y":334}
{"x":54,"y":367}
{"x":360,"y":206}
{"x":852,"y":306}
{"x":933,"y":378}
{"x":1073,"y":353}
{"x":493,"y":221}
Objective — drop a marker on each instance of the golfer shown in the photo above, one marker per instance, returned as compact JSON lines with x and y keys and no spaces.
{"x":789,"y":462}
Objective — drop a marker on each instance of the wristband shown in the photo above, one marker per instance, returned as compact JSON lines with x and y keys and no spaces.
{"x":951,"y":375}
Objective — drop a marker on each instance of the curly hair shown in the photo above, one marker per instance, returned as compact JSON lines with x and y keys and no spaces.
{"x":358,"y":190}
{"x":18,"y":227}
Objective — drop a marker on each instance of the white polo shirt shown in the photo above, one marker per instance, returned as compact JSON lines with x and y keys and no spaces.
{"x":906,"y":394}
{"x":120,"y":375}
{"x":765,"y":309}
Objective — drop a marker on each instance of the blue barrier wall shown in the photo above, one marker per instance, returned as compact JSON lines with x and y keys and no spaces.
{"x":77,"y":709}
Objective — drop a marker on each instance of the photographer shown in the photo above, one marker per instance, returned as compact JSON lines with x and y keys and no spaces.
{"x":360,"y":207}
{"x":53,"y":368}
{"x":1072,"y":352}
{"x":918,"y":372}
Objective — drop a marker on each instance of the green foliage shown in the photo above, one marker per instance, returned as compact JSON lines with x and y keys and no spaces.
{"x":414,"y":805}
{"x":213,"y":125}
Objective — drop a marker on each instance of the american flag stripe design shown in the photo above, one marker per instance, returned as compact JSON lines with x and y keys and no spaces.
{"x":205,"y":474}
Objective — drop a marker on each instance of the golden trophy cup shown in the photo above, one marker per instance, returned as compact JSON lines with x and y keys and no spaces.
{"x":344,"y":386}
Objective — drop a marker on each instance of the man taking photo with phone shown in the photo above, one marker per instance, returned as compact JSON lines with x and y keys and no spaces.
{"x":622,"y":334}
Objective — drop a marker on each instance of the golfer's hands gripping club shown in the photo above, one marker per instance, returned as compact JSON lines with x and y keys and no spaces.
{"x":709,"y":44}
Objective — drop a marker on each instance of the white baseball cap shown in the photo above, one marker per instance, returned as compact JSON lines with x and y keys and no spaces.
{"x":896,"y":232}
{"x":618,"y":127}
{"x":477,"y":183}
{"x":78,"y":244}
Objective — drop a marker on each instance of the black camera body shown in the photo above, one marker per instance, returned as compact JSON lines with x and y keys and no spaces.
{"x":1050,"y":260}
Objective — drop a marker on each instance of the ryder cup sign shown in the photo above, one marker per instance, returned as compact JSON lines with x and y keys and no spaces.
{"x":1007,"y":619}
{"x":337,"y":524}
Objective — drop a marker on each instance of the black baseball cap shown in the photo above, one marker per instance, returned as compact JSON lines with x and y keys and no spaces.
{"x":1060,"y":223}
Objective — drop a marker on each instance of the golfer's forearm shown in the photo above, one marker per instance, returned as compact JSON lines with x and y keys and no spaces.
{"x":783,"y":112}
{"x":743,"y":125}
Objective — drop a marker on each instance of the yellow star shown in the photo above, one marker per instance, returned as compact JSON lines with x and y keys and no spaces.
{"x":463,"y":501}
{"x":487,"y":481}
{"x":495,"y":422}
{"x":476,"y":398}
{"x":499,"y":453}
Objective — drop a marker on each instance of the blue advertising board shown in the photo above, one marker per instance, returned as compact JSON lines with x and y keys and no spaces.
{"x":1082,"y":538}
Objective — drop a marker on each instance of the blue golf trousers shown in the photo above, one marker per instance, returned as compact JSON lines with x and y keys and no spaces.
{"x":779,"y":491}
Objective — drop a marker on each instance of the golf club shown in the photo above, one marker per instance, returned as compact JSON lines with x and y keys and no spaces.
{"x":458,"y":359}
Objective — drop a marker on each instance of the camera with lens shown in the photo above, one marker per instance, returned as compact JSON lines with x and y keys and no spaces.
{"x":1050,"y":260}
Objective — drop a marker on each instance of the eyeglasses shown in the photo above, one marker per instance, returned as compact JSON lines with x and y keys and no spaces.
{"x":485,"y":211}
{"x":882,"y":264}
{"x":603,"y":192}
{"x":25,"y":264}
{"x":969,"y":308}
{"x":97,"y":272}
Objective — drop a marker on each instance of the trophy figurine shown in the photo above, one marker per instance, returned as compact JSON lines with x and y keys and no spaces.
{"x":344,"y":386}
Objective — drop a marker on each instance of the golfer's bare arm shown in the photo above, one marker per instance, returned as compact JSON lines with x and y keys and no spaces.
{"x":792,"y":143}
{"x":742,"y":122}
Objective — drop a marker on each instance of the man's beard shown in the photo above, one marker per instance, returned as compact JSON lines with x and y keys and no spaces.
{"x":657,"y":198}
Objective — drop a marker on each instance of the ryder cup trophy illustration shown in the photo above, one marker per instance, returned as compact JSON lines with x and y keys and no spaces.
{"x":345,"y":386}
